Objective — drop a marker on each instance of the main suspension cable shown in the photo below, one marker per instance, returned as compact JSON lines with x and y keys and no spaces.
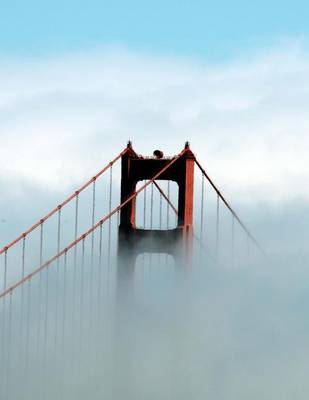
{"x":229,"y":207}
{"x":66,"y":201}
{"x":95,"y":226}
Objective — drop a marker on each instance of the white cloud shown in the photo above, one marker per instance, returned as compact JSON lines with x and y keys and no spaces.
{"x":248,"y":121}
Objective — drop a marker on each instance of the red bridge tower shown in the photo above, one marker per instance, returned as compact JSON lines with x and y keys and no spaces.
{"x":132,"y":240}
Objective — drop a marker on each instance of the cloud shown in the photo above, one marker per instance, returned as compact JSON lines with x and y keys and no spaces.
{"x":62,"y":117}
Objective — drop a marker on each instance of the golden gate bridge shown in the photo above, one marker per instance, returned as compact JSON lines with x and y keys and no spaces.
{"x":62,"y":277}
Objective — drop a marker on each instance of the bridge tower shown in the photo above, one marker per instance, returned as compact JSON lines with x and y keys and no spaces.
{"x":134,"y":241}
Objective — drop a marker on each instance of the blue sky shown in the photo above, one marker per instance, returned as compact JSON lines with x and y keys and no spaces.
{"x":214,"y":30}
{"x":93,"y":75}
{"x":78,"y":79}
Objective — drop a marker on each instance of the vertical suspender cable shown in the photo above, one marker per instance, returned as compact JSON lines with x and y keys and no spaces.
{"x":167,"y":214}
{"x":100,"y":244}
{"x":8,"y":358}
{"x":90,"y":299}
{"x":79,"y":319}
{"x":109,"y":210}
{"x":92,"y":220}
{"x":144,"y":220}
{"x":202,"y":209}
{"x":40,"y":287}
{"x":81,"y":306}
{"x":41,"y":241}
{"x":168,"y":205}
{"x":118,"y":213}
{"x":217,"y":224}
{"x":76,"y":223}
{"x":151,"y":219}
{"x":151,"y":206}
{"x":46,"y":315}
{"x":233,"y":238}
{"x":160,"y":211}
{"x":23,"y":257}
{"x":57,"y":274}
{"x":21,"y":326}
{"x":74,"y":308}
{"x":3,"y":309}
{"x":82,"y":290}
{"x":75,"y":247}
{"x":64,"y":300}
{"x":109,"y":275}
{"x":58,"y":233}
{"x":75,"y":260}
{"x":109,"y":233}
{"x":202,"y":217}
{"x":63,"y":326}
{"x":248,"y":249}
{"x":4,"y":299}
{"x":27,"y":345}
{"x":3,"y":347}
{"x":145,"y":206}
{"x":160,"y":221}
{"x":100,"y":268}
{"x":5,"y":268}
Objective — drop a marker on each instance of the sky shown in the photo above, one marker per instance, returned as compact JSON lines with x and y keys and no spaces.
{"x":79,"y":79}
{"x":216,"y":30}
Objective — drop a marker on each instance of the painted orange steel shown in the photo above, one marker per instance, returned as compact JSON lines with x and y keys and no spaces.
{"x":166,"y":198}
{"x":229,"y":207}
{"x":66,"y":201}
{"x":176,"y":212}
{"x":46,"y":264}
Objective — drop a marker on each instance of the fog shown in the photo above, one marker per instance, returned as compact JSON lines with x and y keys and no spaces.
{"x":235,"y":327}
{"x":232,"y":329}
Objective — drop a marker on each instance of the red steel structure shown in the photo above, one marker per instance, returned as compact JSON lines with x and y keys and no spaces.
{"x":132,"y":241}
{"x":176,"y":242}
{"x":42,"y":293}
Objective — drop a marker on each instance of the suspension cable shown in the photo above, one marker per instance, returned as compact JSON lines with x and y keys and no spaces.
{"x":64,"y":300}
{"x":75,"y":259}
{"x":3,"y":339}
{"x":217,"y":225}
{"x":75,"y":237}
{"x":21,"y":325}
{"x":198,"y":240}
{"x":168,"y":205}
{"x":57,"y":272}
{"x":8,"y":361}
{"x":110,"y":209}
{"x":233,"y":238}
{"x":145,"y":206}
{"x":202,"y":209}
{"x":100,"y":266}
{"x":92,"y":244}
{"x":95,"y":226}
{"x":28,"y":326}
{"x":46,"y":316}
{"x":41,"y":241}
{"x":151,"y":206}
{"x":228,"y":206}
{"x":92,"y":219}
{"x":5,"y":269}
{"x":160,"y":209}
{"x":23,"y":257}
{"x":66,"y":201}
{"x":165,"y":197}
{"x":81,"y":304}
